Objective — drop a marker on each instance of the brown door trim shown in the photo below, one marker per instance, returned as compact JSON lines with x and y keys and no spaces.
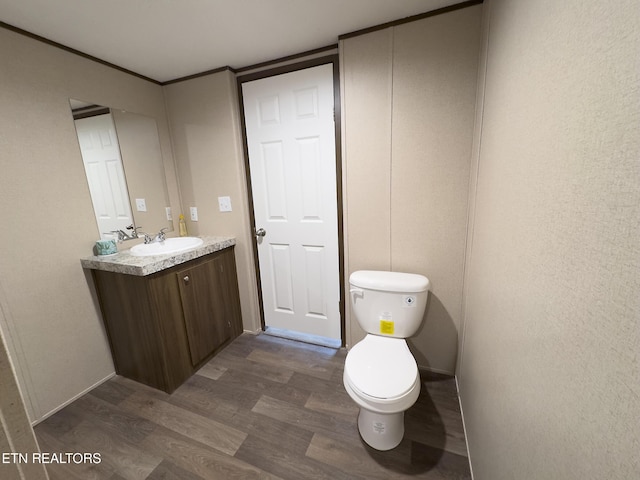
{"x":314,"y":62}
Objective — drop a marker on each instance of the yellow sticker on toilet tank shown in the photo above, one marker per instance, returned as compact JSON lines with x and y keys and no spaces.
{"x":386,"y":327}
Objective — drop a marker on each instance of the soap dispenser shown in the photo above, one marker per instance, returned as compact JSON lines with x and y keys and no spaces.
{"x":182,"y":226}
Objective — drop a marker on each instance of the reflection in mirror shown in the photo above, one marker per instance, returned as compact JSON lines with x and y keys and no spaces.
{"x":125,"y":172}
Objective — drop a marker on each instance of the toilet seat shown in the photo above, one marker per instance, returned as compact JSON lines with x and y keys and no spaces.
{"x":381,"y":368}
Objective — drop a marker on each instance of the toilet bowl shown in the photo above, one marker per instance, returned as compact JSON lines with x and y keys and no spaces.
{"x":383,"y":386}
{"x":380,"y":373}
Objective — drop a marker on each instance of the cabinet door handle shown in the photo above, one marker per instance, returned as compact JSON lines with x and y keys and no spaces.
{"x":186,"y":279}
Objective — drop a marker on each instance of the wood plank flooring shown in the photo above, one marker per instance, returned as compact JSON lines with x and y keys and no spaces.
{"x":263,"y":408}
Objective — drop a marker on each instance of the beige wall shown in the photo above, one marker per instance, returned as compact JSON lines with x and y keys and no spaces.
{"x":51,"y":322}
{"x":549,"y":377}
{"x":205,"y":129}
{"x":408,"y":110}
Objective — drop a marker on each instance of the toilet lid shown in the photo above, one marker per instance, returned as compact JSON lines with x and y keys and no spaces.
{"x":381,"y":367}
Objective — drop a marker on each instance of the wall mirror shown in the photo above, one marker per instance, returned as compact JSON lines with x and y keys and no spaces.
{"x":125,"y":172}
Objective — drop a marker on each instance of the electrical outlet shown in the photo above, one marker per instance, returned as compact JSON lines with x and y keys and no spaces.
{"x":224,"y":203}
{"x":169,"y":215}
{"x":141,"y":205}
{"x":194,"y":213}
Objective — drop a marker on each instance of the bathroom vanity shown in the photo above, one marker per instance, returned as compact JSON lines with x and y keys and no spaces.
{"x":167,"y":315}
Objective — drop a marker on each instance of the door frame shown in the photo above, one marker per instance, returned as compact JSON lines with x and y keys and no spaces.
{"x":240,"y":79}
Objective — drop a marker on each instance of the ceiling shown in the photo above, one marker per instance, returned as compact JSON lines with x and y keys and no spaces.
{"x":168,"y":39}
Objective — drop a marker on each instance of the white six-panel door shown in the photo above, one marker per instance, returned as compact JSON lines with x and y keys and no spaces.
{"x":105,"y":172}
{"x":291,"y":142}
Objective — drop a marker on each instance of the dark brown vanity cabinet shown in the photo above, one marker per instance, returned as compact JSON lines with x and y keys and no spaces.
{"x":162,"y":327}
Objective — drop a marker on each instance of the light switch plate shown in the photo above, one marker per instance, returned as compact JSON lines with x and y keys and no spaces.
{"x":194,"y":214}
{"x":169,"y":215}
{"x":141,"y":205}
{"x":224,"y":203}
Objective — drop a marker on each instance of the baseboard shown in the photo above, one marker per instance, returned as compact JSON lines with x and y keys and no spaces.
{"x":73,"y":399}
{"x":439,"y":371}
{"x":252,"y":332}
{"x":464,"y":427}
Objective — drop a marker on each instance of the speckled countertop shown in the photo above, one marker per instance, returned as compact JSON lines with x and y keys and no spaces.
{"x":124,"y":262}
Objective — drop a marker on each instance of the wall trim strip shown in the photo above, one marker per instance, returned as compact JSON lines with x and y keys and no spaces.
{"x":413,"y":18}
{"x":74,"y":51}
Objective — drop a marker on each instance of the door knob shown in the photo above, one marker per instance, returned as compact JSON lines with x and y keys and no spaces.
{"x":261,"y":232}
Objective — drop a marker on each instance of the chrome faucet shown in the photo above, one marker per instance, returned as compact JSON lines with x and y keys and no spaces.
{"x":122,"y":235}
{"x":147,"y":237}
{"x":159,"y":237}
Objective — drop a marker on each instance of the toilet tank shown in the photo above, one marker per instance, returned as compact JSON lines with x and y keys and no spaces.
{"x":389,"y":303}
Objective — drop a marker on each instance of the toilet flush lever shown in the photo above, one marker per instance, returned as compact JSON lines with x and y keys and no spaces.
{"x":357,"y":291}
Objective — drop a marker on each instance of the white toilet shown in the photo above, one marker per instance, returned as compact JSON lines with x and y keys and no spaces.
{"x":380,"y":373}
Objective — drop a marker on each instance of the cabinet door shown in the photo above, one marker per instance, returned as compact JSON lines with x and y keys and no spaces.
{"x":203,"y":303}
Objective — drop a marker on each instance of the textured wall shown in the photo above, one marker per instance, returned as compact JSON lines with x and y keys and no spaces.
{"x":409,"y":98}
{"x":51,"y":322}
{"x":366,"y":76}
{"x":434,"y":90}
{"x":549,"y":375}
{"x":205,"y":129}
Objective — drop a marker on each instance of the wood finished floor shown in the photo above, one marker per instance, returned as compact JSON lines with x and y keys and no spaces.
{"x":264,"y":407}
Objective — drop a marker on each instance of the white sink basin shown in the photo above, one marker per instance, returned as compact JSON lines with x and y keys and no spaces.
{"x":169,"y":246}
